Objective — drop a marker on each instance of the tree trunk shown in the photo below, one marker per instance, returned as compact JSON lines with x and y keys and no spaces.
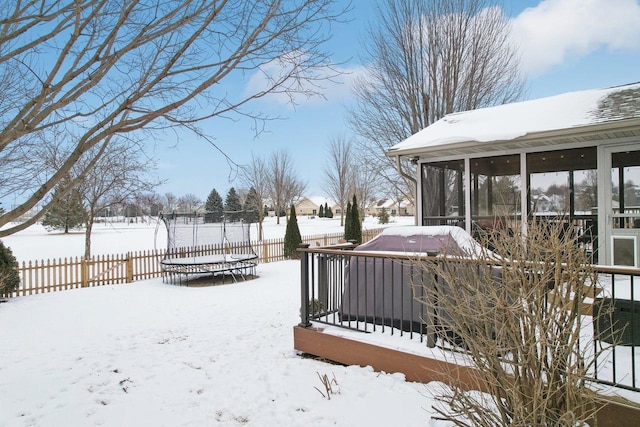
{"x":87,"y":238}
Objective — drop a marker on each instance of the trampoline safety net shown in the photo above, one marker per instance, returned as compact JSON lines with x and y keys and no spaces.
{"x":195,"y":245}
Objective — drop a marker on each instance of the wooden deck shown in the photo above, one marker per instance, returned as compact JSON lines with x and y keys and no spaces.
{"x":423,"y":369}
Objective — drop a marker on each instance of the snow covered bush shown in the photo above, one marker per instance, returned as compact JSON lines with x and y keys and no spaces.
{"x":9,"y":277}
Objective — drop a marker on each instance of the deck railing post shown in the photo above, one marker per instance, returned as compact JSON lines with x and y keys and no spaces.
{"x":304,"y":286}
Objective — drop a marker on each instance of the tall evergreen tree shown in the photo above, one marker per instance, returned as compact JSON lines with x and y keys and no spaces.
{"x":328,"y":212}
{"x":232,"y":206}
{"x":347,"y":223}
{"x":213,"y":207}
{"x":251,"y":207}
{"x":292,"y":237}
{"x":321,"y":212}
{"x":66,"y":212}
{"x":356,"y":225}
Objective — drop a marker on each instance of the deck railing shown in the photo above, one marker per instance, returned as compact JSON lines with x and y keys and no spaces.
{"x":367,"y":292}
{"x":52,"y":275}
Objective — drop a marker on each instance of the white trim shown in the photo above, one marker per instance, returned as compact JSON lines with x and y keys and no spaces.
{"x":524,"y":205}
{"x":467,"y":195}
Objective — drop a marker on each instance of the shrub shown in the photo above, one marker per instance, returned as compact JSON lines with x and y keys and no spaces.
{"x":525,"y":320}
{"x":383,"y":216}
{"x":292,"y":237}
{"x":9,"y":277}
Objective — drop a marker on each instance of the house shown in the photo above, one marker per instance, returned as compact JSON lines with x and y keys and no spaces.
{"x":580,"y":149}
{"x":404,"y":207}
{"x":311,"y":205}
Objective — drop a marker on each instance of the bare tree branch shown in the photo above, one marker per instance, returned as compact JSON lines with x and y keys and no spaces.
{"x":74,"y":73}
{"x":339,"y":172}
{"x":427,"y":59}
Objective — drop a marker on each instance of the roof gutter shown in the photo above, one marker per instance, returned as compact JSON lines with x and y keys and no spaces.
{"x":403,"y":173}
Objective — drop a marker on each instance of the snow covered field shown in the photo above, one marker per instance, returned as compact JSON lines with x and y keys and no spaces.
{"x":153,"y":354}
{"x":118,"y":237}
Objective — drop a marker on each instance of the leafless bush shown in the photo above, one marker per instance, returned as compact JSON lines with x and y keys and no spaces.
{"x":518,"y":320}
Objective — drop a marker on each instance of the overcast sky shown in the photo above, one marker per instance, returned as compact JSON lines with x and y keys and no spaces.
{"x":566,"y":45}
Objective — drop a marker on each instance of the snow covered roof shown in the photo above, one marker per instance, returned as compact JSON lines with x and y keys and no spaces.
{"x":390,"y":203}
{"x":318,"y":200}
{"x":568,"y":111}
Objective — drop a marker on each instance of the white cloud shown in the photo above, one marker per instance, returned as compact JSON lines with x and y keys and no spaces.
{"x":556,"y":30}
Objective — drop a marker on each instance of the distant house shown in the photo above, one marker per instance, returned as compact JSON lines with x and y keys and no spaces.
{"x":402,"y":208}
{"x":542,"y":203}
{"x":310,"y":206}
{"x":581,"y":147}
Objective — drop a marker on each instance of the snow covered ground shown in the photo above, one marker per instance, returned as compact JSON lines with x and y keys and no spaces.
{"x":154,"y":354}
{"x":149,"y":353}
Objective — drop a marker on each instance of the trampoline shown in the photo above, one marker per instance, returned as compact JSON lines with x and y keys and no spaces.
{"x":197,"y":246}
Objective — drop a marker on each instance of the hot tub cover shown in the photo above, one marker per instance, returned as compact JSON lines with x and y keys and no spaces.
{"x":384,"y":290}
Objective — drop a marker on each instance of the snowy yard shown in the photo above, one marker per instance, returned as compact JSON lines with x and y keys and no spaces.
{"x":149,"y":353}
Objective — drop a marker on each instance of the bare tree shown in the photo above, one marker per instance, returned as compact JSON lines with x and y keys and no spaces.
{"x":254,"y":175}
{"x":75,"y":73}
{"x":367,"y":182}
{"x":427,"y":59}
{"x":339,"y":172}
{"x":149,"y":203}
{"x":188,"y":203}
{"x":284,"y":184}
{"x":170,"y":202}
{"x":118,"y":175}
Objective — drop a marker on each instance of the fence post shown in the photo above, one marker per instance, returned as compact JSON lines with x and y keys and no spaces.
{"x":84,"y":272}
{"x":304,"y":286}
{"x":265,"y":252}
{"x":129,"y":260}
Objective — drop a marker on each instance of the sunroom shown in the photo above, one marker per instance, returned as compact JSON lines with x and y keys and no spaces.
{"x":573,"y":158}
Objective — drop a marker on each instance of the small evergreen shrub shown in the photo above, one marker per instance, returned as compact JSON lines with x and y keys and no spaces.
{"x":292,"y":237}
{"x":9,"y":277}
{"x":383,"y":216}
